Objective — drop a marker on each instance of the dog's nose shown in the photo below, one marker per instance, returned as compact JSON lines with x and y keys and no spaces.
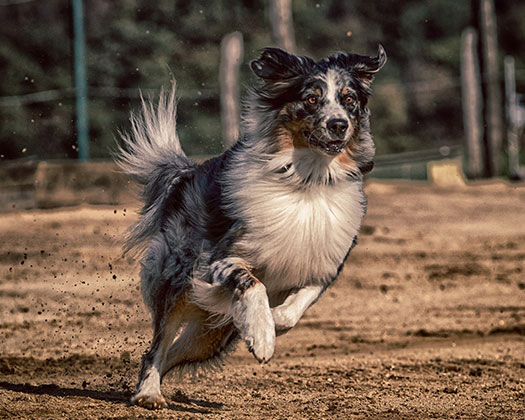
{"x":337,"y":126}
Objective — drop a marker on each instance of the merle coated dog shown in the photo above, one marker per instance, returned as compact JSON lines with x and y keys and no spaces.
{"x":241,"y":245}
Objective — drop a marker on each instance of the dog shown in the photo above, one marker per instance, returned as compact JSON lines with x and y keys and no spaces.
{"x":238,"y":247}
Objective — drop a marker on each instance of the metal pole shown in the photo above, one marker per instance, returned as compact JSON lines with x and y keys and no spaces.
{"x":80,"y":80}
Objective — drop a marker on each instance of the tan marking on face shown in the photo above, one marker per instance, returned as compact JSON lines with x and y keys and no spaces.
{"x":284,"y":138}
{"x":346,"y":159}
{"x":289,"y":134}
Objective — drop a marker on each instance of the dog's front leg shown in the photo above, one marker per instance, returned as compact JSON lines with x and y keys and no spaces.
{"x":292,"y":309}
{"x":250,"y":310}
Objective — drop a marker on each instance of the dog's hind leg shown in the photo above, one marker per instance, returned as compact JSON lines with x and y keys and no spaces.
{"x":234,"y":292}
{"x":166,"y":325}
{"x":200,"y":345}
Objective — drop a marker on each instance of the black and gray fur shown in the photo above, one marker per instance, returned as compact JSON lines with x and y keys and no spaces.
{"x":241,"y":245}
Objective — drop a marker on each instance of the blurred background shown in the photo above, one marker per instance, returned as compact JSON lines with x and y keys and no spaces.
{"x":133,"y":45}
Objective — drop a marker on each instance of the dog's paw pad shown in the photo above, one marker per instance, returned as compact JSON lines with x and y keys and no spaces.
{"x":151,"y":402}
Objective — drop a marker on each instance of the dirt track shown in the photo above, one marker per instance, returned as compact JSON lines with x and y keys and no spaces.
{"x":426,"y":321}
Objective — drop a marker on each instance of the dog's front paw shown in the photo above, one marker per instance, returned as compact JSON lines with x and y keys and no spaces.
{"x":253,"y":318}
{"x":260,"y":341}
{"x":150,"y":401}
{"x":284,"y":319}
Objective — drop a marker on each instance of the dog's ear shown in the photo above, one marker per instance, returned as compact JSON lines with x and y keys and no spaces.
{"x":371,"y":65}
{"x":362,"y":66}
{"x":276,"y":64}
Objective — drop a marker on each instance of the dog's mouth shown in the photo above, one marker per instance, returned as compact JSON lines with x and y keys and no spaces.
{"x":330,"y":147}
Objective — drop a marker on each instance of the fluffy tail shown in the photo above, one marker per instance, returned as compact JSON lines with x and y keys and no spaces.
{"x":152,"y":155}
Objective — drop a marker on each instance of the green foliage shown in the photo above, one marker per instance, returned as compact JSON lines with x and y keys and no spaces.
{"x":140,"y":44}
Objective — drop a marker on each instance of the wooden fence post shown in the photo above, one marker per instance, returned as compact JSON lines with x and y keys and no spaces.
{"x":472,"y":104}
{"x":281,"y":22}
{"x":515,"y":120}
{"x":491,"y":78}
{"x":231,"y":58}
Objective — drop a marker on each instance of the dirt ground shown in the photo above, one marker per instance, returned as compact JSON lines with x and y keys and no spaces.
{"x":427,"y":320}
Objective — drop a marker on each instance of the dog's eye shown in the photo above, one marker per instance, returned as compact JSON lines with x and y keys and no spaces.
{"x":312,"y":100}
{"x":349,"y":100}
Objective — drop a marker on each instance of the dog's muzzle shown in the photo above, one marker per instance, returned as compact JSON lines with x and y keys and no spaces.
{"x":332,"y":139}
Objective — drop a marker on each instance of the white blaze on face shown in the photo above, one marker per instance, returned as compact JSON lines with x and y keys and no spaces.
{"x":333,"y":108}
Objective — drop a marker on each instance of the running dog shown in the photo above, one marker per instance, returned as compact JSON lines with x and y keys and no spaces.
{"x":241,"y":245}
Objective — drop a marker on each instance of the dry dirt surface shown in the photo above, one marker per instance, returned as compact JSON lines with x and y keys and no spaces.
{"x":427,"y":320}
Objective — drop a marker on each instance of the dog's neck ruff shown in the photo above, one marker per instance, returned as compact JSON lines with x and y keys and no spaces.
{"x":300,"y":210}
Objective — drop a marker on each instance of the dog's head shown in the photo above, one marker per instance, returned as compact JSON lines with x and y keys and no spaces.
{"x":321,"y":105}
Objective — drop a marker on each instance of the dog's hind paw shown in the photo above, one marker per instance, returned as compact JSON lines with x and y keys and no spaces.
{"x":151,"y":402}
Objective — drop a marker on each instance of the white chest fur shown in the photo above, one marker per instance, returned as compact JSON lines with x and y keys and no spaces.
{"x":299,"y":236}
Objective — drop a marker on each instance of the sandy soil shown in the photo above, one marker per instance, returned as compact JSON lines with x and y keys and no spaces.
{"x":427,"y":320}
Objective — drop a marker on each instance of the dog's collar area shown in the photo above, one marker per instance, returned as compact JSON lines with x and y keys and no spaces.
{"x":329,"y":179}
{"x":354,"y":176}
{"x":283,"y":169}
{"x":366,"y":168}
